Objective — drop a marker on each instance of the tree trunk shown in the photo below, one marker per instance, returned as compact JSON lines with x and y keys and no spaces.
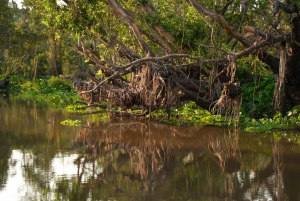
{"x":292,"y":82}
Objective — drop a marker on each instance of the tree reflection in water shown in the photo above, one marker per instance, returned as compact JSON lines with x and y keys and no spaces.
{"x":147,"y":159}
{"x":228,"y":157}
{"x":135,"y":160}
{"x":143,"y":159}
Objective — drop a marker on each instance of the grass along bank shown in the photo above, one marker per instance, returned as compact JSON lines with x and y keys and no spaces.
{"x":53,"y":92}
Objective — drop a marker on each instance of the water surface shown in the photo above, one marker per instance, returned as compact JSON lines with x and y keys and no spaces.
{"x":113,"y":158}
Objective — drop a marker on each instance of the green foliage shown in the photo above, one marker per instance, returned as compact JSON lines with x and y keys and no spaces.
{"x":258,"y":97}
{"x":99,"y":74}
{"x":143,"y":2}
{"x":181,"y":21}
{"x":53,"y":92}
{"x":6,"y":23}
{"x":250,"y":69}
{"x":76,"y":108}
{"x":70,"y":122}
{"x":278,"y":122}
{"x":59,"y":83}
{"x":189,"y":114}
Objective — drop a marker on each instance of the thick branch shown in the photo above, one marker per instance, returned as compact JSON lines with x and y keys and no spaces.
{"x":221,"y":21}
{"x":123,"y":50}
{"x":224,"y":8}
{"x":245,"y":52}
{"x":189,"y":95}
{"x":279,"y":5}
{"x":156,"y":59}
{"x":157,"y":39}
{"x":95,"y":61}
{"x":165,"y":39}
{"x":254,"y":30}
{"x":295,"y":30}
{"x":119,"y":12}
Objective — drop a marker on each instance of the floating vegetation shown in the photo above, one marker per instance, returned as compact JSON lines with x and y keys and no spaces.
{"x":189,"y":114}
{"x":77,"y":108}
{"x":278,"y":122}
{"x":70,"y":122}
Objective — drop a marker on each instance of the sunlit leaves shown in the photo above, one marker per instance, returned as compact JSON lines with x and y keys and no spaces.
{"x":74,"y":17}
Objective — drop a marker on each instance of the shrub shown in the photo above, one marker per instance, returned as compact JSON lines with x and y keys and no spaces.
{"x":59,"y":83}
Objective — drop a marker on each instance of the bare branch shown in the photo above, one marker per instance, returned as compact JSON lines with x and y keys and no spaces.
{"x":204,"y":103}
{"x":214,"y":47}
{"x":81,"y":50}
{"x":247,"y":51}
{"x":156,"y":59}
{"x":165,"y":39}
{"x":190,"y":81}
{"x":275,"y":4}
{"x":223,"y":10}
{"x":97,"y":81}
{"x":116,"y":74}
{"x":244,"y":11}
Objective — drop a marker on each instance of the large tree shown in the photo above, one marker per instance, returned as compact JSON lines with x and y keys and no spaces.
{"x":154,"y":54}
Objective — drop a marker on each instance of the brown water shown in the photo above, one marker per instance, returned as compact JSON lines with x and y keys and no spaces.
{"x":108,"y":158}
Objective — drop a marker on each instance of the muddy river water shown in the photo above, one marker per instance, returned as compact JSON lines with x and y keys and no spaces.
{"x":111,"y":158}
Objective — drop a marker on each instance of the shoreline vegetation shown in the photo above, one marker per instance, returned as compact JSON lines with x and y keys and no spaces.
{"x":58,"y":93}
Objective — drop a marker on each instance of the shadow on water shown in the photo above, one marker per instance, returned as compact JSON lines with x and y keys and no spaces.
{"x":140,"y":160}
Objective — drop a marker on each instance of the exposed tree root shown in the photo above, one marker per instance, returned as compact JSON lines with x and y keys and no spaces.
{"x":156,"y":85}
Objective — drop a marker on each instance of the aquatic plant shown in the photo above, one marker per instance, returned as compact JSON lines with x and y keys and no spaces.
{"x":188,"y":113}
{"x":71,"y":122}
{"x":76,"y":108}
{"x":277,"y":122}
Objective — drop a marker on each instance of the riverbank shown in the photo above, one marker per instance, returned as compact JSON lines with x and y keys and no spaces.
{"x":57,"y":93}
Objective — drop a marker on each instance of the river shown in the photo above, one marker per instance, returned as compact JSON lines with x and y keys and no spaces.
{"x":116,"y":158}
